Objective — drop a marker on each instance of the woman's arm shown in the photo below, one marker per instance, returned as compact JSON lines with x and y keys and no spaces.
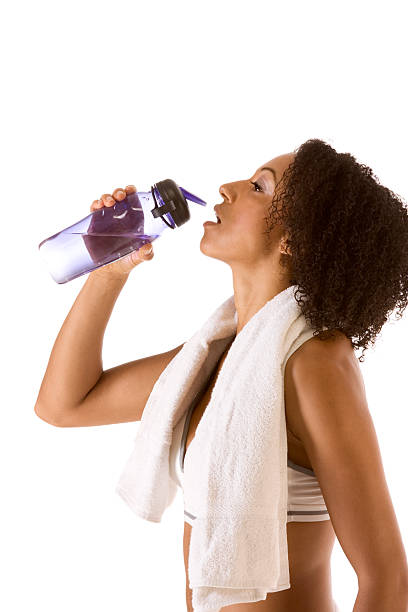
{"x":75,"y":363}
{"x":335,"y":426}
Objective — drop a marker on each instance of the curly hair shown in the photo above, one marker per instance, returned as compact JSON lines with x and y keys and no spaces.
{"x":348,"y":240}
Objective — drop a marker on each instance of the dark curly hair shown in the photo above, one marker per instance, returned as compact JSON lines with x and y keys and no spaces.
{"x":348,"y":241}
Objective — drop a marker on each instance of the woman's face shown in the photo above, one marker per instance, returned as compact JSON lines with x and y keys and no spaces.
{"x":240,"y":237}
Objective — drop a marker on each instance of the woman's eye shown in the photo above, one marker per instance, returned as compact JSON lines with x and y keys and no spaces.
{"x":256,"y":185}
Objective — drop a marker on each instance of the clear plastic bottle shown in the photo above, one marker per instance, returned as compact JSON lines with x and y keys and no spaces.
{"x":112,"y":232}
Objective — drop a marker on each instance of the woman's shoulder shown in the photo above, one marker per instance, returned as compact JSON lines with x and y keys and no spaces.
{"x":316,"y":360}
{"x":337,"y":347}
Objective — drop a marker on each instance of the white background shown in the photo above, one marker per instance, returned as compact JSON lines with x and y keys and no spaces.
{"x":97,"y":95}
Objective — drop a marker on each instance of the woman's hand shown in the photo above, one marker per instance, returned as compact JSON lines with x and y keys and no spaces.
{"x":121,"y":267}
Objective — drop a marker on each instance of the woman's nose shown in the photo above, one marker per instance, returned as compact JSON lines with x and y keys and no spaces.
{"x":223,"y":192}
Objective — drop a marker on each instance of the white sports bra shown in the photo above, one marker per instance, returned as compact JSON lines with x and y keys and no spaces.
{"x":305,"y":499}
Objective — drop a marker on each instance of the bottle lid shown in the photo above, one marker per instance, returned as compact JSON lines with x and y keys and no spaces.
{"x":171,"y":202}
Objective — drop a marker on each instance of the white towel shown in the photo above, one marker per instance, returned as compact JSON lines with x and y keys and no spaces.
{"x":236,"y":465}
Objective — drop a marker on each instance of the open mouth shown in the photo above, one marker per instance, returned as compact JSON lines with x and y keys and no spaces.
{"x":218,"y":220}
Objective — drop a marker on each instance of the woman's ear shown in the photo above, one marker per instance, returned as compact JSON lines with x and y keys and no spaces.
{"x":283,"y":248}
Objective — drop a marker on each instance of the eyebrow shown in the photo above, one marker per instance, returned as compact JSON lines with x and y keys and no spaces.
{"x":272,"y":170}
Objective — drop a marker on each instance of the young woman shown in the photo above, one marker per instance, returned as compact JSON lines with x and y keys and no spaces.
{"x":321,"y":220}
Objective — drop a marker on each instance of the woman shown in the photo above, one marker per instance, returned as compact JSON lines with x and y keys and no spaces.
{"x":318,"y":219}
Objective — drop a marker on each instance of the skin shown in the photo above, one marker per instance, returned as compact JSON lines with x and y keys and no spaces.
{"x":239,"y":241}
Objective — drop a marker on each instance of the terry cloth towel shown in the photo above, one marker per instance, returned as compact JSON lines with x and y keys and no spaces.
{"x":235,"y":468}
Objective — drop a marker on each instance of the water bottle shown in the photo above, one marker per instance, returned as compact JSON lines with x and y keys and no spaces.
{"x":113,"y":232}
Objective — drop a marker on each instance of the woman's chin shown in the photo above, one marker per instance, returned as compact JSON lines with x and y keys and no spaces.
{"x":207,"y":248}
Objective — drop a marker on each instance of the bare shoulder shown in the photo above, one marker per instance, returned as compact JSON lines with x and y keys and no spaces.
{"x":318,"y":355}
{"x":338,"y":347}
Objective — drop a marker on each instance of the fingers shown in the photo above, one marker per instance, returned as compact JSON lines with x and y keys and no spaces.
{"x":147,"y":250}
{"x":118,"y":195}
{"x":107,"y":199}
{"x":130,"y":189}
{"x":144,"y":253}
